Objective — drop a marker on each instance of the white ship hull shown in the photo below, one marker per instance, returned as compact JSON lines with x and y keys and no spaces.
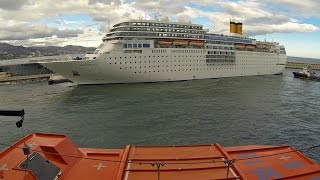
{"x":119,"y":67}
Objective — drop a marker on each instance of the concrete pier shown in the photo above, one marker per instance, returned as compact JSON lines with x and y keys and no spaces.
{"x":22,"y":79}
{"x":296,"y":65}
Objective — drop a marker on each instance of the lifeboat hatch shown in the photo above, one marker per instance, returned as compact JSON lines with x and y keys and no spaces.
{"x":40,"y":167}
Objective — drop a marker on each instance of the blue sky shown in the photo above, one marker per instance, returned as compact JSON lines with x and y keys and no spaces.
{"x":296,"y":24}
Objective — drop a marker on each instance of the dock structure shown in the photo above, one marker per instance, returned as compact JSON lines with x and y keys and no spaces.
{"x":27,"y":69}
{"x":300,"y":65}
{"x":23,"y":79}
{"x":29,"y":66}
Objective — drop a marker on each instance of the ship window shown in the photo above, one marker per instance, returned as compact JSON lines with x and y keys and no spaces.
{"x":134,"y":45}
{"x":139,"y":45}
{"x":129,"y":45}
{"x":125,"y":46}
{"x":146,"y":45}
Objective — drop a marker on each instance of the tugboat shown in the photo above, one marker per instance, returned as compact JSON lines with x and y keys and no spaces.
{"x":306,"y":73}
{"x":55,"y":79}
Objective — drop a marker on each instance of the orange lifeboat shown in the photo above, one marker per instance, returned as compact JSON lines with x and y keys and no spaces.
{"x":197,"y":42}
{"x":180,"y":42}
{"x":54,"y":156}
{"x":240,"y":45}
{"x":42,"y":156}
{"x":250,"y":46}
{"x":165,"y":41}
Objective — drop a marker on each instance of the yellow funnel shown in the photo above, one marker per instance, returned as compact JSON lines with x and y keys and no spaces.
{"x":233,"y":27}
{"x":239,"y":28}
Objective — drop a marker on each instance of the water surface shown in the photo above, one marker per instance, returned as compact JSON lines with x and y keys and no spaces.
{"x":268,"y":110}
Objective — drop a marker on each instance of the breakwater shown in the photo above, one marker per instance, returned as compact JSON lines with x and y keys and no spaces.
{"x":300,"y":65}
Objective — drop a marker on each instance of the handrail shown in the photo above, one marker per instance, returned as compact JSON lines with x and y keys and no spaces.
{"x":19,"y":113}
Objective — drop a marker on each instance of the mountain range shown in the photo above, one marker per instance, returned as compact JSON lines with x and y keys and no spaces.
{"x":8,"y":51}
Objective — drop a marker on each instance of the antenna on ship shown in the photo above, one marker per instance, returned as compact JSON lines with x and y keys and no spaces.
{"x":157,"y":15}
{"x":105,"y":27}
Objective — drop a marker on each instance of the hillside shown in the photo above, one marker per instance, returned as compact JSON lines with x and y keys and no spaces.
{"x":8,"y":51}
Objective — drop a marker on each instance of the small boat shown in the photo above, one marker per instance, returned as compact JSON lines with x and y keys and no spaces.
{"x":55,"y":79}
{"x":306,"y":73}
{"x":41,"y":156}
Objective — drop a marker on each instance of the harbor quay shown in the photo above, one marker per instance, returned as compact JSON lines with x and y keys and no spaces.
{"x":300,"y":65}
{"x":27,"y":69}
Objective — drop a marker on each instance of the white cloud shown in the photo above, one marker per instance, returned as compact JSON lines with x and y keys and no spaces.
{"x":26,"y":17}
{"x":257,"y":20}
{"x":12,"y":5}
{"x":24,"y":31}
{"x":305,"y":8}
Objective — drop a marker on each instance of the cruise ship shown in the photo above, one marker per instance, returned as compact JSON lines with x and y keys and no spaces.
{"x":159,"y":50}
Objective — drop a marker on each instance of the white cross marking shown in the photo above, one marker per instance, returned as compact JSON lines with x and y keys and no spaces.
{"x":99,"y":166}
{"x":3,"y":168}
{"x":284,"y":158}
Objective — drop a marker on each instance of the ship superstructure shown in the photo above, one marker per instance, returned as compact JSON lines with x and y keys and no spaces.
{"x":153,"y":51}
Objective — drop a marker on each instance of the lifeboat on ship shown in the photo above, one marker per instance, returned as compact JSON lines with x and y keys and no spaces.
{"x":197,"y":42}
{"x":250,"y":46}
{"x":240,"y":45}
{"x":180,"y":42}
{"x":165,"y":41}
